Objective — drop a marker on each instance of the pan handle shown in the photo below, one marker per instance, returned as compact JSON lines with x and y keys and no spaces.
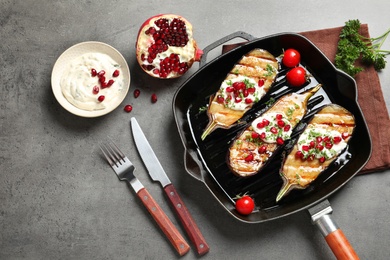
{"x":207,"y":49}
{"x":191,"y":165}
{"x":334,"y":236}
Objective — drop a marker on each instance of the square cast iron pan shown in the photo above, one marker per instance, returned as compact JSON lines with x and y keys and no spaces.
{"x":206,"y":160}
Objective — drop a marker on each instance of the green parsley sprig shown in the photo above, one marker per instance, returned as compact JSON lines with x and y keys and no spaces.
{"x":352,"y":46}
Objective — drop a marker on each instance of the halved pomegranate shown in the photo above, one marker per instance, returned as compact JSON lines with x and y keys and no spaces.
{"x":165,"y":46}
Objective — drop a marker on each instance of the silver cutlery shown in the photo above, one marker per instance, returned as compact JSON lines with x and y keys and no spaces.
{"x":125,"y":171}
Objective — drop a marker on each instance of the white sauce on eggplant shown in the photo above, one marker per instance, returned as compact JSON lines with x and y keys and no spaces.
{"x":269,"y":130}
{"x":241,"y":105}
{"x":311,"y":134}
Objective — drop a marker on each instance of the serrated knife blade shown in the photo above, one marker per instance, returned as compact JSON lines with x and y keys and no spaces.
{"x":157,"y":173}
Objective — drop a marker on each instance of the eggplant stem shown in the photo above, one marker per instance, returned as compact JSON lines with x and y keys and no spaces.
{"x":283,"y":191}
{"x":209,"y":129}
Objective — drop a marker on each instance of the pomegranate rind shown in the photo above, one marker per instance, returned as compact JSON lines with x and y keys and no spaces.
{"x":187,"y":54}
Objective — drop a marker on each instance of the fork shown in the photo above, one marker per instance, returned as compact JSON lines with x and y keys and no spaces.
{"x":124,"y":168}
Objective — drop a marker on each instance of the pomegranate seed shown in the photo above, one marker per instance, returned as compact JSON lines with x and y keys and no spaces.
{"x":229,"y":89}
{"x":239,"y":85}
{"x":128,"y":108}
{"x":320,"y":147}
{"x":102,"y":79}
{"x":136,"y":93}
{"x":328,"y":145}
{"x":322,"y":159}
{"x":299,"y":155}
{"x":110,"y":82}
{"x":220,"y":99}
{"x":337,"y":139}
{"x":249,"y":158}
{"x":116,"y":73}
{"x":279,"y":141}
{"x":95,"y":90}
{"x":345,"y":135}
{"x":101,"y":98}
{"x":274,"y":130}
{"x":104,"y":84}
{"x":255,"y":135}
{"x":154,"y":98}
{"x":261,"y":82}
{"x":238,"y":99}
{"x":260,"y":125}
{"x":101,"y":73}
{"x":93,"y":72}
{"x":248,"y":100}
{"x":279,"y":116}
{"x":266,"y":122}
{"x":319,"y":139}
{"x":262,"y":149}
{"x":326,"y":139}
{"x":281,"y":123}
{"x":251,"y":90}
{"x":263,"y":135}
{"x":312,"y":144}
{"x":305,"y":148}
{"x":287,"y":128}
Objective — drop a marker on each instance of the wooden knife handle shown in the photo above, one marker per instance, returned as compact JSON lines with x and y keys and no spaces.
{"x":186,"y":219}
{"x":164,"y":222}
{"x":340,"y":246}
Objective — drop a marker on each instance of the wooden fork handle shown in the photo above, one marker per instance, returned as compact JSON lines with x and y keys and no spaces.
{"x":166,"y":225}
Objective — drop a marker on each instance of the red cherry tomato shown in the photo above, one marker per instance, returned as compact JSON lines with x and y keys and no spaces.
{"x":291,"y":58}
{"x":245,"y":205}
{"x":296,"y":77}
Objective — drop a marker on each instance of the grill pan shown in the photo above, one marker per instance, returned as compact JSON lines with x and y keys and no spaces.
{"x":206,"y":160}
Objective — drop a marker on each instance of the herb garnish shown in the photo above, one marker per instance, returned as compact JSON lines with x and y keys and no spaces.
{"x":352,"y":46}
{"x":270,"y":70}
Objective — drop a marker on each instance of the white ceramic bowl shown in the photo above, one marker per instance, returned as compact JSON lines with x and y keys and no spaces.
{"x":76,"y":51}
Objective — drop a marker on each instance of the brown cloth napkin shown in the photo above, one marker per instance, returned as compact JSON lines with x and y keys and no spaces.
{"x":370,"y":98}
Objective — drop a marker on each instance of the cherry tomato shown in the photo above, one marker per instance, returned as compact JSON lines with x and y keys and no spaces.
{"x":245,"y":205}
{"x":296,"y":77}
{"x":291,"y":58}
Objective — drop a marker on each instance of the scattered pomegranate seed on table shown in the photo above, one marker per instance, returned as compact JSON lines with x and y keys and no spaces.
{"x":154,"y":98}
{"x":137,"y":92}
{"x":128,"y":108}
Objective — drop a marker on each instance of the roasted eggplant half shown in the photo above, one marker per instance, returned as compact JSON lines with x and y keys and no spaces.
{"x":325,"y":137}
{"x":247,"y":82}
{"x":254,"y":147}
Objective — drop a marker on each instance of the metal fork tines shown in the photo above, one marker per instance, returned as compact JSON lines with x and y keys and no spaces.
{"x":125,"y":171}
{"x":122,"y":166}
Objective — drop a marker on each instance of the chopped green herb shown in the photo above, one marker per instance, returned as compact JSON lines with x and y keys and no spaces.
{"x":270,"y":70}
{"x":202,"y":109}
{"x":270,"y":102}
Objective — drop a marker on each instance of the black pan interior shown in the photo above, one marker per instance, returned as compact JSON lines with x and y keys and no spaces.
{"x":206,"y":160}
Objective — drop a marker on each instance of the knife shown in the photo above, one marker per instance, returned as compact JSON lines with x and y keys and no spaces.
{"x":157,"y":173}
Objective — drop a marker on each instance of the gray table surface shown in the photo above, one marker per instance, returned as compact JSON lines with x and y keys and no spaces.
{"x":59,"y":200}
